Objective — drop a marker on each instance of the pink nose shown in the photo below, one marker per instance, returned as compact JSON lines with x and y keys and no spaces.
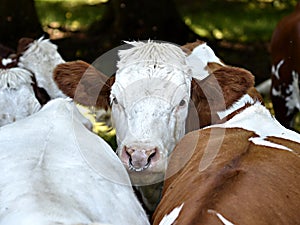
{"x":140,"y":159}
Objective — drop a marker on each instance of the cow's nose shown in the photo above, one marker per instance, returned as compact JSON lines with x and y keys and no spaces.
{"x":140,"y":159}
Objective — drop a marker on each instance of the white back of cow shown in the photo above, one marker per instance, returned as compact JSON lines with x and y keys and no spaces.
{"x":17,"y":99}
{"x":257,"y":118}
{"x":55,"y":171}
{"x":40,"y":58}
{"x":149,"y":106}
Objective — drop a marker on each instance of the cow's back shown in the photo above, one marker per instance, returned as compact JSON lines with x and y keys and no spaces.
{"x":55,"y":171}
{"x":243,"y":182}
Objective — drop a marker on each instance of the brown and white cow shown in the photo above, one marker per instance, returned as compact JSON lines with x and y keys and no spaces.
{"x":26,"y":81}
{"x":150,"y":96}
{"x":243,"y":171}
{"x":285,"y":56}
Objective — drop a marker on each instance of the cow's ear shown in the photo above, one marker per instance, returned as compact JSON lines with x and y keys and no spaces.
{"x":189,"y":47}
{"x":23,"y":44}
{"x":84,"y":83}
{"x":223,"y":87}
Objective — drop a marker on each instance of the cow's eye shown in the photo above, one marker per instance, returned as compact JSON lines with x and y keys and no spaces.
{"x":115,"y":100}
{"x":182,"y":103}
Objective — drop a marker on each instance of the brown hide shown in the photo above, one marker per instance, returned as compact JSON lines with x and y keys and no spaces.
{"x":85,"y":84}
{"x":188,"y":47}
{"x":23,"y":44}
{"x":285,"y":45}
{"x":246,"y":183}
{"x":219,"y":91}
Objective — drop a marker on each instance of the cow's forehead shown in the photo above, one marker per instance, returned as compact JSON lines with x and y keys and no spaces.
{"x":168,"y":74}
{"x":146,"y":60}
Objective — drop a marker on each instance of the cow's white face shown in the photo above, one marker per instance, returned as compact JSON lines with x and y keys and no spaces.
{"x":149,"y":107}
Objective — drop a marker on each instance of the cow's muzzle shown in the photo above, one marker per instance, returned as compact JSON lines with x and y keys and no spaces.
{"x":140,"y":159}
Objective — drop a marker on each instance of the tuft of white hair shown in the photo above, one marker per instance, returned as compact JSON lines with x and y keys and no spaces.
{"x":14,"y":78}
{"x":151,"y":52}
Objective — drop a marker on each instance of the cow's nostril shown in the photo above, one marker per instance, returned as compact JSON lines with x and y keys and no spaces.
{"x":129,"y":151}
{"x":152,"y":154}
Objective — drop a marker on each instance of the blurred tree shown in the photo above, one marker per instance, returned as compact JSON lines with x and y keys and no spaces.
{"x":143,"y":19}
{"x":18,"y":18}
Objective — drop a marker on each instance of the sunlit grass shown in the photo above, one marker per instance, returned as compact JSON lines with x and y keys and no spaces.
{"x":71,"y":15}
{"x":236,"y":21}
{"x":101,"y":121}
{"x":91,"y":2}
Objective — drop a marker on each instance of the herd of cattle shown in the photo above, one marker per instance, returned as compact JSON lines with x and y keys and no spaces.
{"x":196,"y":145}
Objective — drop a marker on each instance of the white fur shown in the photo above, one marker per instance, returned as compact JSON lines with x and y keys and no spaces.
{"x":55,"y":171}
{"x":235,"y":106}
{"x":275,"y":69}
{"x":258,"y":119}
{"x":41,"y":58}
{"x":170,"y":218}
{"x":293,"y":100}
{"x":220,"y":217}
{"x":17,"y":99}
{"x":7,"y":61}
{"x":198,"y":59}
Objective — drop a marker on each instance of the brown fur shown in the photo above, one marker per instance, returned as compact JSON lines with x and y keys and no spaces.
{"x":23,"y":44}
{"x":188,"y":47}
{"x":219,"y":91}
{"x":246,"y":183}
{"x":212,"y":67}
{"x":83,"y":83}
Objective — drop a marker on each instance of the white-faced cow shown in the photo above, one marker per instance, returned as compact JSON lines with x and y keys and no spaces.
{"x":54,"y":171}
{"x":285,"y":56}
{"x":243,"y":171}
{"x":150,"y":96}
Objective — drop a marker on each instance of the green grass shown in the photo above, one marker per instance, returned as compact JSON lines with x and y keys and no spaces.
{"x":72,"y":15}
{"x":236,"y":21}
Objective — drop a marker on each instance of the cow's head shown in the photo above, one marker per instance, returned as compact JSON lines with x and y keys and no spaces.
{"x":17,"y":99}
{"x":150,"y":99}
{"x":40,"y":57}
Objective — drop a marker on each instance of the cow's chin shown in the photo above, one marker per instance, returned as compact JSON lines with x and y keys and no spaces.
{"x":151,"y":175}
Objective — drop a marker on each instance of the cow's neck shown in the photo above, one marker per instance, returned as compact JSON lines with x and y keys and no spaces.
{"x":257,"y":118}
{"x":150,"y":195}
{"x":239,"y":105}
